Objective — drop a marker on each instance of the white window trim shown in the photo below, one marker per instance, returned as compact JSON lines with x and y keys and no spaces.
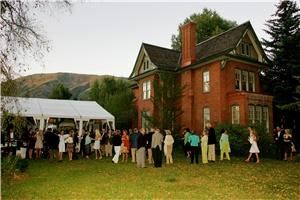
{"x":247,"y":51}
{"x":206,"y":116}
{"x":240,"y":73}
{"x":146,"y":90}
{"x":235,"y":112}
{"x":264,"y":111}
{"x":246,"y":74}
{"x":253,"y":83}
{"x":252,"y":111}
{"x":258,"y":117}
{"x":206,"y":81}
{"x":239,"y":79}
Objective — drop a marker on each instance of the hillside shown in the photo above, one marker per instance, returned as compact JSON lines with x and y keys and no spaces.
{"x":40,"y":85}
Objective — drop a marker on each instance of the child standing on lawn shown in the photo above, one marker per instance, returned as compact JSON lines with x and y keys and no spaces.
{"x":224,"y":144}
{"x":204,"y":141}
{"x":254,"y":148}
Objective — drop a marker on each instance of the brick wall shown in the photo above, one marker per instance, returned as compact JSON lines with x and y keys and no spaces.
{"x":219,"y":99}
{"x":141,"y":104}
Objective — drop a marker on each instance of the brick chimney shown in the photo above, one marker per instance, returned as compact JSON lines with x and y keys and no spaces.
{"x":188,"y":44}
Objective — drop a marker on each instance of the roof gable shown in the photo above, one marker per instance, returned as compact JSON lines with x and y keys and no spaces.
{"x":228,"y":41}
{"x":162,"y":58}
{"x":224,"y":42}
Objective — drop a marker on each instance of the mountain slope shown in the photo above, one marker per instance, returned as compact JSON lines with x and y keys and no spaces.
{"x":41,"y":85}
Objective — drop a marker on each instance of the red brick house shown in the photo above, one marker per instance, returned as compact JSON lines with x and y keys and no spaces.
{"x":220,"y":75}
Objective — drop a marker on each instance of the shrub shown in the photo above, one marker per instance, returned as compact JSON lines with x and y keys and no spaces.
{"x":238,"y":139}
{"x":8,"y":165}
{"x":265,"y":141}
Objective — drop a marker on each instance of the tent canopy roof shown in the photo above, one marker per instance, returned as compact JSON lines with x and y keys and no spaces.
{"x":53,"y":108}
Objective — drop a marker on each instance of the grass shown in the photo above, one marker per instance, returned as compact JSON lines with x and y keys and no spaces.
{"x":100,"y":179}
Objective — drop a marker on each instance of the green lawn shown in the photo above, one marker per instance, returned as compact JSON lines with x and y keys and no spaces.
{"x":100,"y":179}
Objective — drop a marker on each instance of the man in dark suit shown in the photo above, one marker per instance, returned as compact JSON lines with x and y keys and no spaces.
{"x":278,"y":139}
{"x":211,"y":142}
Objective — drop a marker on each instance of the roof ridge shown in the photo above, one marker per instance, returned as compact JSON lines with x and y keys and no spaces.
{"x":161,"y":47}
{"x":223,"y":32}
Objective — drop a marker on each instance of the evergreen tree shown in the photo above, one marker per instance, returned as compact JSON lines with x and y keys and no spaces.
{"x":60,"y":92}
{"x":283,"y":49}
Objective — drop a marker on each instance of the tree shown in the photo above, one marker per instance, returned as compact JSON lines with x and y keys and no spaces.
{"x":21,"y":38}
{"x":283,"y":49}
{"x":116,"y":97}
{"x":168,"y":92}
{"x":208,"y":24}
{"x":60,"y":92}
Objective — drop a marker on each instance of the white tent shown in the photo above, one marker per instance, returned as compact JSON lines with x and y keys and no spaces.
{"x":43,"y":109}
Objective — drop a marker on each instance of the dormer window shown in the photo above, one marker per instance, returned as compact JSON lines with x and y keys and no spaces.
{"x":146,"y":65}
{"x":245,"y":49}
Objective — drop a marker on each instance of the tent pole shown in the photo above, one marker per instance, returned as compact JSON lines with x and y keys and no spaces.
{"x":42,"y":123}
{"x":80,"y":127}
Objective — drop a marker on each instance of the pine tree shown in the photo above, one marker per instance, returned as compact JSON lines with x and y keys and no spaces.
{"x":283,"y":48}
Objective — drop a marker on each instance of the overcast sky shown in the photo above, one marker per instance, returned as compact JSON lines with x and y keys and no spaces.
{"x":104,"y":38}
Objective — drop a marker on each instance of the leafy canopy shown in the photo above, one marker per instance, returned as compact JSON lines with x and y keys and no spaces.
{"x":116,"y":97}
{"x":21,"y":38}
{"x":208,"y":24}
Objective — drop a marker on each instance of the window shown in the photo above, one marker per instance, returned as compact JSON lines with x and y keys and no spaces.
{"x":206,"y":86}
{"x":258,"y":114}
{"x":145,"y":122}
{"x":238,"y":79}
{"x":235,"y":114}
{"x":146,"y":90}
{"x":245,"y":80}
{"x":146,"y":64}
{"x":265,"y":116}
{"x":251,"y":83}
{"x":245,"y":49}
{"x":206,"y":116}
{"x":251,"y":115}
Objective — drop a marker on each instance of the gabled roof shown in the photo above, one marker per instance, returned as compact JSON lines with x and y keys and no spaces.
{"x":168,"y":59}
{"x":223,"y":42}
{"x":163,"y":58}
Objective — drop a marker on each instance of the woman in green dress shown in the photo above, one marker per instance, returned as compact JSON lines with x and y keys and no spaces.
{"x":204,"y":141}
{"x":224,"y":144}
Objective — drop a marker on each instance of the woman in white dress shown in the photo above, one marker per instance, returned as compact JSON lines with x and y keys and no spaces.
{"x":97,"y":144}
{"x":254,"y":148}
{"x":61,"y":145}
{"x":39,"y":143}
{"x":168,"y":147}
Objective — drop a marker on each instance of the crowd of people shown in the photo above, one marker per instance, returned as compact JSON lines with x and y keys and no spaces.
{"x":143,"y":145}
{"x":109,"y":143}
